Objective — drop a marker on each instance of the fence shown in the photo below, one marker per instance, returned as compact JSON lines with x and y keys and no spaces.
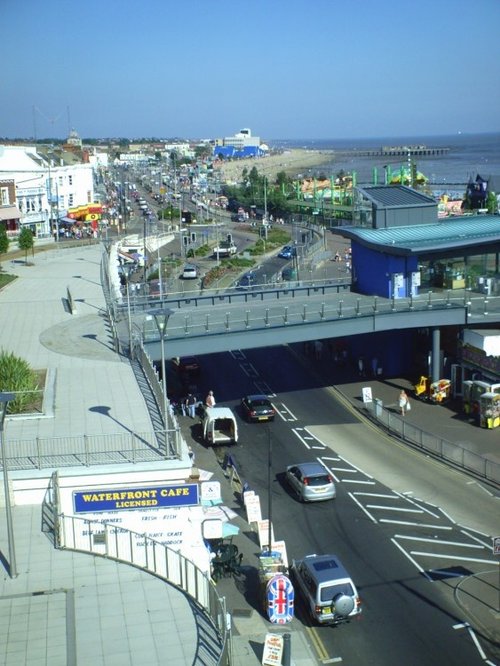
{"x":436,"y":446}
{"x":87,"y":450}
{"x":117,"y":543}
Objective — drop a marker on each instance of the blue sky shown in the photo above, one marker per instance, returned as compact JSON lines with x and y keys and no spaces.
{"x":284,"y":68}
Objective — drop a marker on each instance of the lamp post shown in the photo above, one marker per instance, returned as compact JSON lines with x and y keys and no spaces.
{"x":4,"y":399}
{"x":161,"y":317}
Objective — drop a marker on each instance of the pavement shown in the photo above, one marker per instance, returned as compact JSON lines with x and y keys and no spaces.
{"x":69,"y":608}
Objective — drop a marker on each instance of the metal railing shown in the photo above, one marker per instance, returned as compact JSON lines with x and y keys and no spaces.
{"x":122,"y":545}
{"x":88,"y":450}
{"x":437,"y":446}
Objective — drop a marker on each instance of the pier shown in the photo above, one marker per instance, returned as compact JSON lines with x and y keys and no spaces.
{"x":395,"y":151}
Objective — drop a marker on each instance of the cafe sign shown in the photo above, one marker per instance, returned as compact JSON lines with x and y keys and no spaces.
{"x":126,"y":499}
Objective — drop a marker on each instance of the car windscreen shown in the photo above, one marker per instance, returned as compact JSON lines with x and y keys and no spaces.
{"x":321,"y":480}
{"x":329,"y":592}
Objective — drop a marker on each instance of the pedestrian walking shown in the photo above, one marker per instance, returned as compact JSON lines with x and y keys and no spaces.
{"x":210,"y":400}
{"x":191,"y":405}
{"x":403,"y":402}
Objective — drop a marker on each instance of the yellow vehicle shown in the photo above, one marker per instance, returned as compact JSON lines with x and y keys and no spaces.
{"x":436,"y":392}
{"x":422,"y":388}
{"x":440,"y":391}
{"x":489,"y":405}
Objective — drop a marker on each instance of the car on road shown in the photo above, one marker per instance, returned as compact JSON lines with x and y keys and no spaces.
{"x":189,"y":272}
{"x":247,"y":280}
{"x":187,"y":365}
{"x":288,"y":252}
{"x":329,"y":592}
{"x":257,"y":408}
{"x":311,"y":481}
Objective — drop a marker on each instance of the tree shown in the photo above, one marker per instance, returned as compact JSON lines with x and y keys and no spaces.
{"x":4,"y":241}
{"x":26,"y":242}
{"x":491,"y":204}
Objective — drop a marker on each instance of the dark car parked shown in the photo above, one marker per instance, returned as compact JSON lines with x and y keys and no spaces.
{"x":257,"y":408}
{"x":187,"y":365}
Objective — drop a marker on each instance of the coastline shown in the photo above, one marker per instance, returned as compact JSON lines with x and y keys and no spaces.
{"x":292,"y":162}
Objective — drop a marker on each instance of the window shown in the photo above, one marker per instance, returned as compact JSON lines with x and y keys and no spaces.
{"x":4,"y":196}
{"x":70,"y":180}
{"x":70,"y":201}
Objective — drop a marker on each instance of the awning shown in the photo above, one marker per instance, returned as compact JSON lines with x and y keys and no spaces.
{"x":9,"y":213}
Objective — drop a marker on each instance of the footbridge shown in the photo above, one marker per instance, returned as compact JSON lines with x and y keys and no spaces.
{"x":266,"y":317}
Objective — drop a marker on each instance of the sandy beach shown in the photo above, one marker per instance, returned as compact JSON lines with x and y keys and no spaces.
{"x":293,"y":162}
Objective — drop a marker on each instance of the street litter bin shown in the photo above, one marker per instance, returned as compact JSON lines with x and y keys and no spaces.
{"x":378,"y":407}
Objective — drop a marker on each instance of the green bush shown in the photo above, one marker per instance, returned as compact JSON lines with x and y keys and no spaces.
{"x":16,"y":376}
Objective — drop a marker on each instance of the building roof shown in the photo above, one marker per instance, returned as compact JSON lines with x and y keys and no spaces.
{"x":395,"y":196}
{"x":462,"y":232}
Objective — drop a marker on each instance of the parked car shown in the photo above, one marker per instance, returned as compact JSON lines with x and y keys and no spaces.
{"x":187,"y":365}
{"x":328,"y":590}
{"x":257,"y":408}
{"x":189,"y":272}
{"x":288,"y":252}
{"x":311,"y":481}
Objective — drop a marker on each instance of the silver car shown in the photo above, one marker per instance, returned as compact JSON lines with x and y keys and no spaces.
{"x":311,"y":481}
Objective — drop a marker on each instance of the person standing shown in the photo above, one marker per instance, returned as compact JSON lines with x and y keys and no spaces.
{"x":191,"y":405}
{"x":403,"y":402}
{"x":210,"y":400}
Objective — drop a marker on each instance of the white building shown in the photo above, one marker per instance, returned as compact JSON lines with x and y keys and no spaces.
{"x":240,"y":140}
{"x":43,"y":190}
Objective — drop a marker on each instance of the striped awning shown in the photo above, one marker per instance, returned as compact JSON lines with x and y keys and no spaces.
{"x":9,"y":213}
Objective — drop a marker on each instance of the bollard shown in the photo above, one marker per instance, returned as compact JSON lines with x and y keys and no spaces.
{"x":206,"y":323}
{"x":340,"y":314}
{"x":322,"y":312}
{"x":304,"y":313}
{"x":358,"y":305}
{"x":286,"y":315}
{"x":287,"y":650}
{"x":375,"y":305}
{"x":267,"y":317}
{"x":247,"y":319}
{"x":429,"y":300}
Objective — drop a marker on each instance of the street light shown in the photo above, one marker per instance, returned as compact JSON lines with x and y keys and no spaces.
{"x":161,"y":317}
{"x":4,"y":399}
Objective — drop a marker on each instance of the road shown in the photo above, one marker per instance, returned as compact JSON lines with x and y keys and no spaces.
{"x":405,"y":554}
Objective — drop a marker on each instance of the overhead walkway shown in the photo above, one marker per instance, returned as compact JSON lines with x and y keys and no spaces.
{"x":262,"y":318}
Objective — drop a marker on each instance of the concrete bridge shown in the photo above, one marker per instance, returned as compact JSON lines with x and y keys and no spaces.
{"x":259,"y":318}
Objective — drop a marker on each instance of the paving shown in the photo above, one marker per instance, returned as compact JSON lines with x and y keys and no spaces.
{"x":69,"y":608}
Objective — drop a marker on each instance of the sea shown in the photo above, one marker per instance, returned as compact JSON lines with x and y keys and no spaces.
{"x":469,"y":155}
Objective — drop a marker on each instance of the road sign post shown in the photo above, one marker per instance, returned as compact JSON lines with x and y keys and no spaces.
{"x":496,"y":551}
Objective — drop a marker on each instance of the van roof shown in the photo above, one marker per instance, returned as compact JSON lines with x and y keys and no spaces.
{"x":220,"y":413}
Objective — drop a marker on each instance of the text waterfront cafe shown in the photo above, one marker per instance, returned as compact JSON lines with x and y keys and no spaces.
{"x":180,"y":516}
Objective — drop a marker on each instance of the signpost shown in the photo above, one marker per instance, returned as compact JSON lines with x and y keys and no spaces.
{"x":496,"y":551}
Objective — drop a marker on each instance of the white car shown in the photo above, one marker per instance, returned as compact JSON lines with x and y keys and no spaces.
{"x":190,"y":272}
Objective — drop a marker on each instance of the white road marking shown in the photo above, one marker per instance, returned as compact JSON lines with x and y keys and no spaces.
{"x":442,"y":541}
{"x":363,"y":508}
{"x":264,"y":388}
{"x":249,"y":370}
{"x":471,"y":536}
{"x":283,"y":410}
{"x":408,"y":499}
{"x":295,"y":431}
{"x":366,"y":483}
{"x":376,"y":495}
{"x":369,"y":476}
{"x":418,"y":567}
{"x":403,"y":509}
{"x":410,"y":524}
{"x":328,"y":458}
{"x":448,"y":516}
{"x":237,"y":354}
{"x":446,"y":556}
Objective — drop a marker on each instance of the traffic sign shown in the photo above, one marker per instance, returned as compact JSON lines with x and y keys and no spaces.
{"x":496,"y":545}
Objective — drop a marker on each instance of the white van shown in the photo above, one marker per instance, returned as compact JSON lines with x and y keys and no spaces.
{"x":220,"y":426}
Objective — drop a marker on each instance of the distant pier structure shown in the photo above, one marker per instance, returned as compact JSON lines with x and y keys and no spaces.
{"x":397,"y":151}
